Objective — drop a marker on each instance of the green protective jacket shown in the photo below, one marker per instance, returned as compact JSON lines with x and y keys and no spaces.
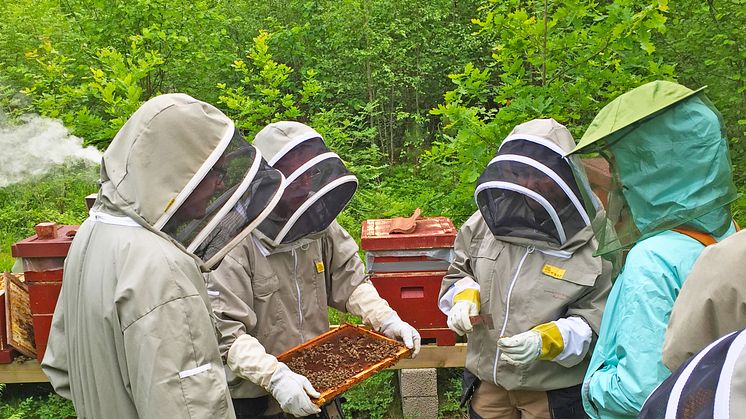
{"x":499,"y":265}
{"x":132,"y":334}
{"x":626,"y":365}
{"x":281,"y":295}
{"x":675,"y":172}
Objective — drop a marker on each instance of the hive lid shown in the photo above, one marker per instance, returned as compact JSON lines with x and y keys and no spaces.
{"x":41,"y":248}
{"x":348,"y":341}
{"x":429,"y":233}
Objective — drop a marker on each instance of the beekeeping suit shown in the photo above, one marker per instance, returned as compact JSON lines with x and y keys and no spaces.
{"x":272,"y":292}
{"x":132,"y":335}
{"x":525,"y":260}
{"x":671,"y":181}
{"x":712,"y":302}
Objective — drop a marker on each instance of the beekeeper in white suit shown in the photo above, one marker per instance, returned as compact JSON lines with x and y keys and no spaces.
{"x":132,"y":335}
{"x":273,"y":290}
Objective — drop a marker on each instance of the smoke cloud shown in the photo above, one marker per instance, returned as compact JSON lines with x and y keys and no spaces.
{"x":37,"y":145}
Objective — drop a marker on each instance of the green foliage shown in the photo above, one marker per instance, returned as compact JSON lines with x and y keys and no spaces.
{"x":49,"y":407}
{"x":93,"y":102}
{"x":449,"y":393}
{"x":266,"y":92}
{"x":562,"y":60}
{"x":57,"y":196}
{"x":372,"y":398}
{"x":34,"y":403}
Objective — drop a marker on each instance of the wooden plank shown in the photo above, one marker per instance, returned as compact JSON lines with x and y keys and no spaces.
{"x":432,"y":356}
{"x":22,"y":372}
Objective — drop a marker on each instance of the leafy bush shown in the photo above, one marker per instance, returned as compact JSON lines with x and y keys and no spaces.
{"x":33,"y":401}
{"x":58,"y":196}
{"x":372,"y":398}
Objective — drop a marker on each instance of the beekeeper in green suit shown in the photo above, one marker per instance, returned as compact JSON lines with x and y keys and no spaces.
{"x":132,"y":335}
{"x":272,"y":292}
{"x":671,"y":189}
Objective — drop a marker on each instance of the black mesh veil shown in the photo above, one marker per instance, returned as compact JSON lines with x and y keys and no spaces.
{"x":236,"y":192}
{"x":318,"y":187}
{"x":529,"y":190}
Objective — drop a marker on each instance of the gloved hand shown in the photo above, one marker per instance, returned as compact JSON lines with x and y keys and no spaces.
{"x":292,"y":392}
{"x":458,"y":318}
{"x":520,"y":349}
{"x":396,"y":328}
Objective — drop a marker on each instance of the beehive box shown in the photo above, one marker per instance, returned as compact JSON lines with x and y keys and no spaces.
{"x":18,"y":319}
{"x":336,"y":360}
{"x":43,"y":257}
{"x":429,"y":233}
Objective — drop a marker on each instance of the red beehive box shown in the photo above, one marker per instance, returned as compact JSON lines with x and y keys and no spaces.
{"x":429,"y":233}
{"x":408,"y":268}
{"x":43,"y":257}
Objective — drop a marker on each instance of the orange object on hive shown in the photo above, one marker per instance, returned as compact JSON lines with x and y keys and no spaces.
{"x":337,"y":360}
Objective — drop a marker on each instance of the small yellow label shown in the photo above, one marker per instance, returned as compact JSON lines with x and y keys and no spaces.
{"x":553,"y":271}
{"x":168,"y":205}
{"x":319,"y":266}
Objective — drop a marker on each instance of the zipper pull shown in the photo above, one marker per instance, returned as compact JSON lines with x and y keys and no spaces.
{"x":530,"y":249}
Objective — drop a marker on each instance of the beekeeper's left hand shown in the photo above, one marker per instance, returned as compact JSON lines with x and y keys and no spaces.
{"x":520,"y":349}
{"x":396,"y":328}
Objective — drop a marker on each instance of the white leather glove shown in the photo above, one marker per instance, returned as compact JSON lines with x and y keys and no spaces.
{"x":458,"y":318}
{"x":292,"y":392}
{"x":520,"y":349}
{"x":375,"y":311}
{"x":396,"y":328}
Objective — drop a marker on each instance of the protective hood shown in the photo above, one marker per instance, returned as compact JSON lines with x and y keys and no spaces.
{"x":317,"y":188}
{"x":630,"y":108}
{"x":179,"y":168}
{"x":531,"y":192}
{"x":670,"y":168}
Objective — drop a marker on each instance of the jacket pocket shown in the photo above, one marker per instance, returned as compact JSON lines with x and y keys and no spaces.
{"x":204,"y":391}
{"x":265,"y":285}
{"x":268,"y":306}
{"x":484,"y":266}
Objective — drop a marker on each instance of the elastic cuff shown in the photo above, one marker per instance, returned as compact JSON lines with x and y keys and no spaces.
{"x":551,"y":341}
{"x":248,"y":359}
{"x":469,"y":294}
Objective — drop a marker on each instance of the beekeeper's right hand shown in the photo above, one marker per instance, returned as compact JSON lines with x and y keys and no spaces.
{"x":292,"y":392}
{"x":458,"y":318}
{"x":248,"y":359}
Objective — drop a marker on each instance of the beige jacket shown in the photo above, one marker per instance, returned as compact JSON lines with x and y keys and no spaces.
{"x":281,"y":299}
{"x":132,"y":335}
{"x":536,"y":298}
{"x":711,"y":303}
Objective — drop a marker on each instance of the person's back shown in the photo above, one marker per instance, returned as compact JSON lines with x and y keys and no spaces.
{"x":712,"y":302}
{"x":132,"y":335}
{"x":112,"y":320}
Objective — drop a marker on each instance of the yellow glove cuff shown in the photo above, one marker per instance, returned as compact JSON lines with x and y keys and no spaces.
{"x":469,"y":294}
{"x":552,"y":343}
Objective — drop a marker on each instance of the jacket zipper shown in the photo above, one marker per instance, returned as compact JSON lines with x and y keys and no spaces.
{"x":297,"y":287}
{"x":530,"y":249}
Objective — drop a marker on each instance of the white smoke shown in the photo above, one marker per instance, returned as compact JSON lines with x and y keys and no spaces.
{"x":37,"y":145}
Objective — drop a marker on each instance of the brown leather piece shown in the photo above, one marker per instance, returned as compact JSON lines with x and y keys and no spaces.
{"x":405,"y":225}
